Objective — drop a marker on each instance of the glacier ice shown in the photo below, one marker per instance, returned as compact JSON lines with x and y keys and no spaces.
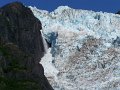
{"x":85,"y":51}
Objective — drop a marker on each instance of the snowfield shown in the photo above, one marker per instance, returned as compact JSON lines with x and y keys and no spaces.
{"x":85,"y":51}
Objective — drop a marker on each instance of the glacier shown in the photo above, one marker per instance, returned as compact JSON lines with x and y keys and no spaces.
{"x":85,"y":48}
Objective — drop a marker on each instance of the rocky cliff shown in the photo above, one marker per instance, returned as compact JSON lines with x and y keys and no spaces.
{"x":21,"y":49}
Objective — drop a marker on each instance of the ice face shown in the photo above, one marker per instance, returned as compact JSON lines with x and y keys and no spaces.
{"x":85,"y":52}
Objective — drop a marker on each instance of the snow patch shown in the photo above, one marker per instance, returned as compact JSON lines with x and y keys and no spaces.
{"x":49,"y":69}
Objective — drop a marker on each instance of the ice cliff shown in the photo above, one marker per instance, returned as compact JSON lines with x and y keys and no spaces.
{"x":85,"y":49}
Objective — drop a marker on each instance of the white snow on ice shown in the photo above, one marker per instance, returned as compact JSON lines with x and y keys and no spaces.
{"x":85,"y":51}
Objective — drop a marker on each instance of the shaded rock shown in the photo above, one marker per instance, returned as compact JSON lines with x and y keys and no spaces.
{"x":21,"y":49}
{"x":118,"y":12}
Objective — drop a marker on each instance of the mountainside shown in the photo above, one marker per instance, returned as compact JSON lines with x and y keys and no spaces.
{"x":21,"y":49}
{"x":85,"y":49}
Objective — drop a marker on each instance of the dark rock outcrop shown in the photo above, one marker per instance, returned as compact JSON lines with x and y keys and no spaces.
{"x":21,"y":49}
{"x":118,"y":12}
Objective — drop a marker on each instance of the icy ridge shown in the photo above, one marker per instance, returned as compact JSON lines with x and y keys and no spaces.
{"x":85,"y":51}
{"x":96,"y":23}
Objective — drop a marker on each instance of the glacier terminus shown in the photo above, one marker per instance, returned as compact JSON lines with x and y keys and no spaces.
{"x":85,"y":48}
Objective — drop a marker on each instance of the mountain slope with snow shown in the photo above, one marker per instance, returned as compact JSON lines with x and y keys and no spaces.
{"x":85,"y":51}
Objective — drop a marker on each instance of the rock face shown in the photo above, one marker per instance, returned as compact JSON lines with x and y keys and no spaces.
{"x":118,"y":12}
{"x":21,"y":49}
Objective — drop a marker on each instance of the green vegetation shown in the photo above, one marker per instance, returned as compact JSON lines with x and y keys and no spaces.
{"x":15,"y":58}
{"x":13,"y":84}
